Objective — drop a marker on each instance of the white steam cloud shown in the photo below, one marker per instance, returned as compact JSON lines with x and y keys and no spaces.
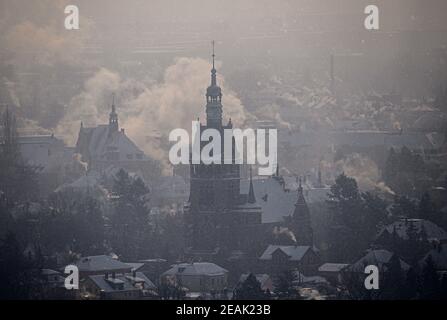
{"x":148,"y":111}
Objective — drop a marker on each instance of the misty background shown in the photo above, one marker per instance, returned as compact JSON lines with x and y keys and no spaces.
{"x":155,"y":57}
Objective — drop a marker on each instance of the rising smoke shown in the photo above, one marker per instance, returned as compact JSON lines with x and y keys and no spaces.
{"x":149,"y":111}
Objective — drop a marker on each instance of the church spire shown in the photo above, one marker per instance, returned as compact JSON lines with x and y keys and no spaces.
{"x":251,"y":191}
{"x":213,"y":53}
{"x":214,"y":99}
{"x":113,"y":117}
{"x":301,"y":223}
{"x":301,"y":201}
{"x":213,"y":70}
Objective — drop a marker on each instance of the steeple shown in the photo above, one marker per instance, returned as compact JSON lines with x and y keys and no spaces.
{"x":300,"y":201}
{"x":214,"y":99}
{"x":301,"y":224}
{"x":251,"y":192}
{"x":213,"y":71}
{"x":113,"y":117}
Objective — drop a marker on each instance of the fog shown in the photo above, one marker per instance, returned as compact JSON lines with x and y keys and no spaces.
{"x":155,"y":57}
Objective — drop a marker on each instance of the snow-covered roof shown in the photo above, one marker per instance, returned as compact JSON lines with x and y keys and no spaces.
{"x":127,"y":280}
{"x":135,"y":265}
{"x":332,"y":267}
{"x":379,"y":258}
{"x":101,"y":263}
{"x":271,"y":197}
{"x":401,"y":226}
{"x":102,"y":141}
{"x":196,"y":269}
{"x":295,"y":253}
{"x":49,"y":272}
{"x":302,"y":279}
{"x":277,"y":203}
{"x":90,"y":182}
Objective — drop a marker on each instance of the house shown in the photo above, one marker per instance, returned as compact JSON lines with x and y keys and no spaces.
{"x":127,"y":286}
{"x":332,"y":271}
{"x":202,"y":277}
{"x":101,"y":265}
{"x":49,"y":158}
{"x":278,"y":258}
{"x":380,"y":258}
{"x":400,"y":229}
{"x":40,"y":151}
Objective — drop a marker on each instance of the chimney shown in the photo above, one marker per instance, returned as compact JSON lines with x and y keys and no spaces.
{"x":113,"y":275}
{"x":134,"y":274}
{"x":106,"y":276}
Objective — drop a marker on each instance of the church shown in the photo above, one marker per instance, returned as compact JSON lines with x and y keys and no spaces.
{"x":219,"y":219}
{"x":222,"y":220}
{"x":107,"y":145}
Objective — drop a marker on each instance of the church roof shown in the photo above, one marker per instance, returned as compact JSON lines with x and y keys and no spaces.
{"x":101,"y":140}
{"x":275,"y":202}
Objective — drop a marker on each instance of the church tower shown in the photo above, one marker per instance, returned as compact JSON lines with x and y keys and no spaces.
{"x":300,"y":222}
{"x":213,"y":100}
{"x":217,"y":215}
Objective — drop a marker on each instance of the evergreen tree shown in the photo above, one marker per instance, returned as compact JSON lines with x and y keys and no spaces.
{"x":404,"y":207}
{"x":130,"y":225}
{"x":17,"y":272}
{"x":430,"y":281}
{"x":285,"y":284}
{"x":250,"y":289}
{"x":393,"y":280}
